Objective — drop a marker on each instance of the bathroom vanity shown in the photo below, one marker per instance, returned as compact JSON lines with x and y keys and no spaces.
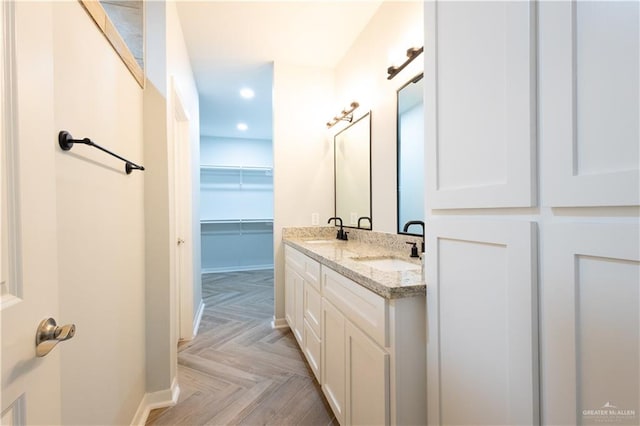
{"x":357,"y":310}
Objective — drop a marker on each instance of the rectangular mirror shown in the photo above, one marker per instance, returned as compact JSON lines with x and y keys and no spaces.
{"x":352,"y":160}
{"x":410,"y":122}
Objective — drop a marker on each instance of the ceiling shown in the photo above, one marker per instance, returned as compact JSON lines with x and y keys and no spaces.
{"x":232,"y":44}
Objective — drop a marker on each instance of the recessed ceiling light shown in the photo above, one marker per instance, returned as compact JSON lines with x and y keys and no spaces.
{"x":242,"y":126}
{"x":247,"y":93}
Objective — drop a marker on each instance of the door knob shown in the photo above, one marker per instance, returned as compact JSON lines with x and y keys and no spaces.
{"x":49,"y":334}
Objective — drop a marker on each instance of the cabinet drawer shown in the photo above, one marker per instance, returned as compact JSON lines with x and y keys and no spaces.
{"x":362,"y":307}
{"x":312,"y":349}
{"x":312,"y":308}
{"x":307,"y":267}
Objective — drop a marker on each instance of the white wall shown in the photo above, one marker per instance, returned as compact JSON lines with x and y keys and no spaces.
{"x":100,"y":214}
{"x":168,"y":69}
{"x":302,"y":156}
{"x":161,"y":354}
{"x":361,"y":76}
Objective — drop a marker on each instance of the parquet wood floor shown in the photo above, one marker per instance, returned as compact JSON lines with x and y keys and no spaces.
{"x":240,"y":371}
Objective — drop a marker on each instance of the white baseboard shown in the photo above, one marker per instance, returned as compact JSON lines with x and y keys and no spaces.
{"x":279,"y":323}
{"x":196,"y":323}
{"x":153,"y":400}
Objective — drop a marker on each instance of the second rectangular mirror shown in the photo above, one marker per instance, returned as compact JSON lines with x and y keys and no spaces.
{"x":410,"y":122}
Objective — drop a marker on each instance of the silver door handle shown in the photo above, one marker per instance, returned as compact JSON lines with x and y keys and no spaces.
{"x":49,"y":334}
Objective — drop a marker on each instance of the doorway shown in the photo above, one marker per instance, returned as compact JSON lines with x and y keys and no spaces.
{"x":236,"y":172}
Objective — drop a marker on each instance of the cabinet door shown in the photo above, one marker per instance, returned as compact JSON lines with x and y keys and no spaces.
{"x":293,"y":298}
{"x":312,"y":307}
{"x":298,"y":307}
{"x":333,"y":358}
{"x":482,"y":351}
{"x":589,"y":103}
{"x":312,"y":348}
{"x":488,"y":161}
{"x":590,"y":322}
{"x":290,"y":276}
{"x":367,"y":387}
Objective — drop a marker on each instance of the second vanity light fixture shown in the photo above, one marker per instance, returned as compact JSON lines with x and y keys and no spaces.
{"x":345,"y":115}
{"x":412,"y":53}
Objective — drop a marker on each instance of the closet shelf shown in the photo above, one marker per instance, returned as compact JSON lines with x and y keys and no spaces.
{"x":268,"y":171}
{"x":226,"y":221}
{"x":236,"y":227}
{"x":243,"y":178}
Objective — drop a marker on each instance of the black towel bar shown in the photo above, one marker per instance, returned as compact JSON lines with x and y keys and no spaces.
{"x":66,"y":141}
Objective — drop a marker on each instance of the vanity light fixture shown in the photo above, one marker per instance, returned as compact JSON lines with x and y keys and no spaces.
{"x":412,"y":53}
{"x":345,"y":115}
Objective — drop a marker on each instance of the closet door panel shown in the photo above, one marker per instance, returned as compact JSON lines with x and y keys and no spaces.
{"x":589,"y":86}
{"x":482,"y":323}
{"x":480,"y":104}
{"x":591,"y":323}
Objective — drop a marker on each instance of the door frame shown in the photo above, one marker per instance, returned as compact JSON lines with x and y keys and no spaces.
{"x":182,"y":207}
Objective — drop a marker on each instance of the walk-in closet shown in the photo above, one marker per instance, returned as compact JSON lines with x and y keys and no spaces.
{"x":236,"y":204}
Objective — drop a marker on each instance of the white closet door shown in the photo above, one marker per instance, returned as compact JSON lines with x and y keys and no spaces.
{"x":591,"y":323}
{"x":482,"y":348}
{"x":480,"y":109}
{"x":589,"y":120}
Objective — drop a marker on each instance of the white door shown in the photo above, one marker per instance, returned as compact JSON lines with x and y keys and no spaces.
{"x":30,"y":384}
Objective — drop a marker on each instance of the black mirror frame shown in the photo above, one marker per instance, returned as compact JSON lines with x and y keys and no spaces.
{"x":335,"y":180}
{"x":413,"y":80}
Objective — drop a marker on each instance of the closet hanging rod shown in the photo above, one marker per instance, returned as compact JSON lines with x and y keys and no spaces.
{"x":66,"y":141}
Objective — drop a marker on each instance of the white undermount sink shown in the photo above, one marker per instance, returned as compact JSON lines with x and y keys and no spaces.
{"x":387,"y":264}
{"x":319,"y":241}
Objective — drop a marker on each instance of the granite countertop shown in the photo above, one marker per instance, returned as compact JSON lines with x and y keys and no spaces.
{"x":339,"y":256}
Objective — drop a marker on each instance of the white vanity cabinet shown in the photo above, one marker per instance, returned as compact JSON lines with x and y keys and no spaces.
{"x":303,"y":304}
{"x":367,"y":351}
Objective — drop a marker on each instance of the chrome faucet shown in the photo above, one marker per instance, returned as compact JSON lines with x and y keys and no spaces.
{"x":341,"y":234}
{"x":415,"y":222}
